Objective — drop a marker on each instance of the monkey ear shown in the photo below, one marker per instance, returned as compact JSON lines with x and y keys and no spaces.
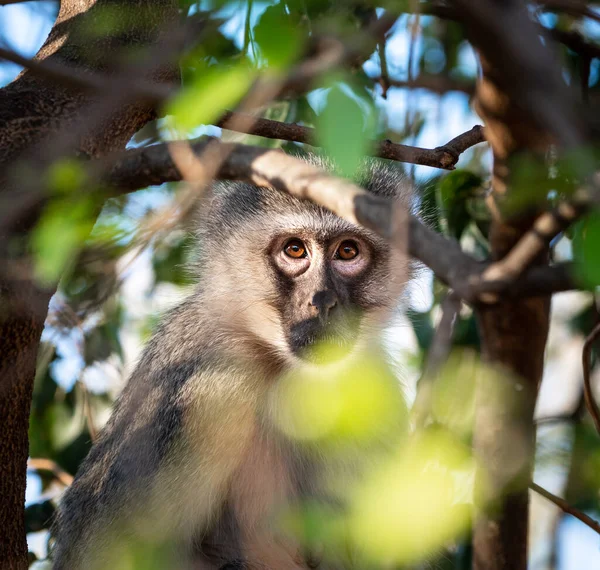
{"x":386,"y":178}
{"x":382,"y":177}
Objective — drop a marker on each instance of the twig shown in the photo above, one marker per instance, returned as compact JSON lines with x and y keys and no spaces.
{"x":574,"y":8}
{"x":574,"y":41}
{"x":590,"y":400}
{"x":565,"y":507}
{"x":437,"y":355}
{"x":445,"y":156}
{"x":436,"y":83}
{"x":72,"y":76}
{"x":42,"y":464}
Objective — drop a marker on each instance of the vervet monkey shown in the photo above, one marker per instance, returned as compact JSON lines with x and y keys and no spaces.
{"x":192,"y":456}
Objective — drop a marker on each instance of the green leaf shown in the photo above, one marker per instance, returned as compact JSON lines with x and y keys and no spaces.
{"x":344,"y":129}
{"x":586,"y":249}
{"x":278,"y":36}
{"x":213,"y":90}
{"x":59,"y":234}
{"x":66,"y":176}
{"x":454,"y":191}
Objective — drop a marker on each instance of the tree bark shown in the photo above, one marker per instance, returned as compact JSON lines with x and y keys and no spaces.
{"x":513,"y":336}
{"x":35,"y":114}
{"x":525,"y":105}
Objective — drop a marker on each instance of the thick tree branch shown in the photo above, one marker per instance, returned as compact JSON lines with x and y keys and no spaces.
{"x":445,"y":156}
{"x":34,"y":111}
{"x":525,"y":104}
{"x":71,"y":76}
{"x":536,"y":240}
{"x":153,"y":165}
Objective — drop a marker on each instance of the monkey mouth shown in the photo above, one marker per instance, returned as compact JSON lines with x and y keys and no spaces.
{"x":314,"y":342}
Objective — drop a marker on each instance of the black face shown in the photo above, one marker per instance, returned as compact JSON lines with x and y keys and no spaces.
{"x":323,"y":290}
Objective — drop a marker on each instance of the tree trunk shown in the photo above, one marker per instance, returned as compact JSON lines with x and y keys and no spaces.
{"x":513,"y":336}
{"x":35,"y":114}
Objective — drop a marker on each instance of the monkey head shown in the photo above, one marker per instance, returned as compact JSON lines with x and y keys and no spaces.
{"x":292,"y":275}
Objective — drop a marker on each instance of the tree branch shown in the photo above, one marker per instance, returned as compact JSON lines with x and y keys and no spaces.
{"x":438,"y":353}
{"x":153,"y":165}
{"x":566,"y":508}
{"x":572,"y":7}
{"x":72,"y":76}
{"x":435,"y":83}
{"x":536,"y":240}
{"x":445,"y":156}
{"x":263,"y":167}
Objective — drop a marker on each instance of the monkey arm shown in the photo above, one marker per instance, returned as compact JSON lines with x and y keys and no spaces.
{"x":160,"y":469}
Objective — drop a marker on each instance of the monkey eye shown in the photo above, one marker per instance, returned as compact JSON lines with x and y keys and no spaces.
{"x":347,"y":250}
{"x":295,"y":249}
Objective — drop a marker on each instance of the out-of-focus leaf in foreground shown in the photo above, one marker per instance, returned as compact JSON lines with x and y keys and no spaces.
{"x":278,"y":36}
{"x":343,"y":402}
{"x":65,"y":223}
{"x":586,"y":249}
{"x":344,"y":129}
{"x":414,"y":503}
{"x":212,"y":90}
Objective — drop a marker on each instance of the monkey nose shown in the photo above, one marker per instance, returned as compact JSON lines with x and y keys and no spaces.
{"x":324,"y":301}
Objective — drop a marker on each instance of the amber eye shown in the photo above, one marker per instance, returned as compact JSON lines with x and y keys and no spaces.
{"x":347,"y":250}
{"x":295,"y":249}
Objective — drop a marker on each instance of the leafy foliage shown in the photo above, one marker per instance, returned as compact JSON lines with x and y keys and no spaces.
{"x":113,"y":271}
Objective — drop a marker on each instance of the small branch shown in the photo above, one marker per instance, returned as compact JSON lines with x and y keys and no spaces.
{"x":445,"y":156}
{"x":437,"y":355}
{"x":572,"y":7}
{"x":435,"y":83}
{"x":574,"y":41}
{"x":42,"y":464}
{"x":590,"y":400}
{"x":566,"y":508}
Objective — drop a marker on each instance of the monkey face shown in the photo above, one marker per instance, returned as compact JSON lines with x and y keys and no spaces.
{"x":284,"y":276}
{"x":324,"y":282}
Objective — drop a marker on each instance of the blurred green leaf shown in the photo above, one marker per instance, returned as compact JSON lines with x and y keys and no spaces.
{"x":279,"y":36}
{"x":214,"y":89}
{"x":454,"y":191}
{"x":66,"y":176}
{"x":586,"y":249}
{"x":60,"y":233}
{"x":345,"y":129}
{"x":352,"y":401}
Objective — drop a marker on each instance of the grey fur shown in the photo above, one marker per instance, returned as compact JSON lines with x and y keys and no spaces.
{"x":189,"y":456}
